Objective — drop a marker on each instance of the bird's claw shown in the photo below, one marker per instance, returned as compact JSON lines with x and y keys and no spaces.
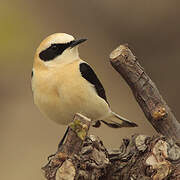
{"x":50,"y":157}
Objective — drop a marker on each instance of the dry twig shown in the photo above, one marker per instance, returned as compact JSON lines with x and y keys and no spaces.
{"x":145,"y":92}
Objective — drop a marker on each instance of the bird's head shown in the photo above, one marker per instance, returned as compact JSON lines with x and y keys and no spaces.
{"x":58,"y":48}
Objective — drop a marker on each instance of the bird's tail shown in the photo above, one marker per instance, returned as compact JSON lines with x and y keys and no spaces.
{"x":117,"y":121}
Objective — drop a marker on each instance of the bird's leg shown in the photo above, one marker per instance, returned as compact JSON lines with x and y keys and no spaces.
{"x":62,"y":140}
{"x":60,"y":144}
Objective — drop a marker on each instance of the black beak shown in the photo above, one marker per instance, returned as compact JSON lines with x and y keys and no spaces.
{"x":76,"y":42}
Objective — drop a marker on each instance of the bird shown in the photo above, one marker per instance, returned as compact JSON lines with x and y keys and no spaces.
{"x":63,"y":84}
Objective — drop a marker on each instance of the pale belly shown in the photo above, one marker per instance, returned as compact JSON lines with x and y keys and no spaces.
{"x":62,"y":107}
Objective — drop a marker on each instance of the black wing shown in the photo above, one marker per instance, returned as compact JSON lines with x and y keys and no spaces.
{"x":88,"y":73}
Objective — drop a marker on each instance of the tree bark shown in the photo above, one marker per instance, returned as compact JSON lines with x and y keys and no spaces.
{"x":84,"y":157}
{"x":77,"y":133}
{"x":145,"y":92}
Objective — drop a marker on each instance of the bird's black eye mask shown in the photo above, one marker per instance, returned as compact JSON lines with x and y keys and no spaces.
{"x":53,"y":51}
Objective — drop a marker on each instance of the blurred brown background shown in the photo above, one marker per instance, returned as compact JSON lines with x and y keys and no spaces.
{"x":152,"y":28}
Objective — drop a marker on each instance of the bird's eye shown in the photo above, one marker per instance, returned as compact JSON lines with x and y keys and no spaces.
{"x":54,"y":47}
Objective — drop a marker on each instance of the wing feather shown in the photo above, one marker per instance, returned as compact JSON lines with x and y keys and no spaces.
{"x":88,"y":73}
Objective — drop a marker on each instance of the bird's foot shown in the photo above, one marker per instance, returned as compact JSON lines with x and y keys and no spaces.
{"x":50,"y":157}
{"x":96,"y":124}
{"x":62,"y":140}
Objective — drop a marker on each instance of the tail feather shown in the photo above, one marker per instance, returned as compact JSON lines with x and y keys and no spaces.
{"x":122,"y":122}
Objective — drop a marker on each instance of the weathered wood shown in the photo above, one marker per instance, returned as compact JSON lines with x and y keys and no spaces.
{"x":145,"y":92}
{"x":144,"y":158}
{"x":139,"y":158}
{"x":59,"y":164}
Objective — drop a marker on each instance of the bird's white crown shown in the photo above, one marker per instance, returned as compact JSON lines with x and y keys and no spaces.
{"x":56,"y":38}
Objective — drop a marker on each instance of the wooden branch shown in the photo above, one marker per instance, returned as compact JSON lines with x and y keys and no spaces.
{"x":145,"y":92}
{"x":139,"y":158}
{"x":60,"y":166}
